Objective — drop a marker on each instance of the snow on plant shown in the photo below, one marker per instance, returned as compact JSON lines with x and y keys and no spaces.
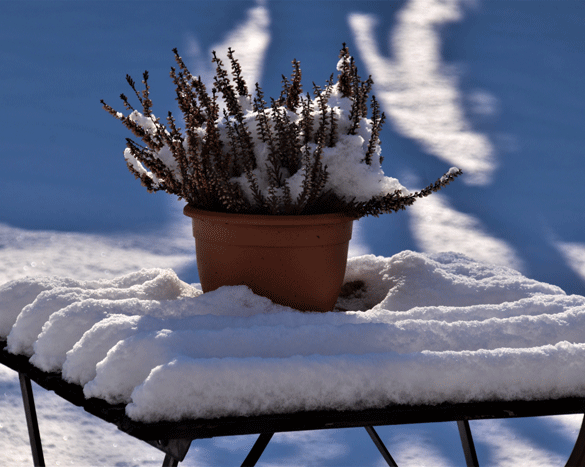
{"x":296,"y":155}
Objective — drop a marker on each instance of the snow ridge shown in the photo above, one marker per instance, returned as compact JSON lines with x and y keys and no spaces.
{"x":475,"y":331}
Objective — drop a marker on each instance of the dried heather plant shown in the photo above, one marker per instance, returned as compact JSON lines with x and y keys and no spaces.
{"x":263,"y":159}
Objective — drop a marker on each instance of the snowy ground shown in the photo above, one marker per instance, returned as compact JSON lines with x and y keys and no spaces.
{"x":493,"y":87}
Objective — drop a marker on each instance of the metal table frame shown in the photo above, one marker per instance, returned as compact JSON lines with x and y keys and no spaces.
{"x":174,"y":438}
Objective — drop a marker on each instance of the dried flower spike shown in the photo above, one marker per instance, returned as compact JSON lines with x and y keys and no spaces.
{"x":256,"y":159}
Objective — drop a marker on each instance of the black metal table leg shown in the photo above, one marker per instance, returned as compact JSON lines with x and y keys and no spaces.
{"x":381,"y":447}
{"x":31,"y":420}
{"x":170,"y":461}
{"x":578,"y":455}
{"x":257,"y":449}
{"x":467,"y":443}
{"x":175,"y":449}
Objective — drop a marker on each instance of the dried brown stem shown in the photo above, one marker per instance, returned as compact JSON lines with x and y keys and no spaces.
{"x":206,"y":169}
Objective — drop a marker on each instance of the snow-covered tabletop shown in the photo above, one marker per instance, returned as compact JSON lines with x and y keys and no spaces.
{"x":423,"y":329}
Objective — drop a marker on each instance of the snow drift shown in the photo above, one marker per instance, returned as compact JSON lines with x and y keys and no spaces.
{"x":418,"y":328}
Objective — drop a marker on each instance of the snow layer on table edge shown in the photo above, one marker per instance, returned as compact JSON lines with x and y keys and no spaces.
{"x":162,"y":284}
{"x":15,"y":295}
{"x":233,"y":386}
{"x":117,"y":373}
{"x":444,"y":305}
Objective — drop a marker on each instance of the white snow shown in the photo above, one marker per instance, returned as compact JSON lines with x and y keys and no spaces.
{"x":419,"y":89}
{"x":90,"y":256}
{"x":252,"y":36}
{"x":424,"y":328}
{"x":574,"y":253}
{"x":438,"y":226}
{"x":146,"y":284}
{"x":441,"y":125}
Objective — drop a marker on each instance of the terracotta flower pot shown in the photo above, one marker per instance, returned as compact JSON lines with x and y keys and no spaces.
{"x":297,"y":261}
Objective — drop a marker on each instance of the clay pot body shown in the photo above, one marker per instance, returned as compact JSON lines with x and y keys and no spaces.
{"x":297,"y":261}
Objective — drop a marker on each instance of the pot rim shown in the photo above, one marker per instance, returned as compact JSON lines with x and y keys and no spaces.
{"x":268,"y":219}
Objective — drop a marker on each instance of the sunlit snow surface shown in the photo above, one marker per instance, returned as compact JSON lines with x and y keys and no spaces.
{"x":419,"y":328}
